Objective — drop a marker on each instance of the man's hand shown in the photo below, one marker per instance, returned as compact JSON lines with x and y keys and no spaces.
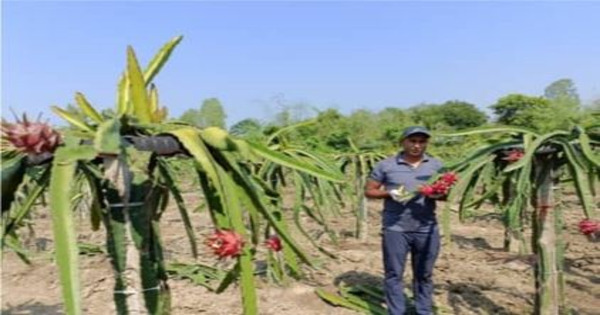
{"x":399,"y":194}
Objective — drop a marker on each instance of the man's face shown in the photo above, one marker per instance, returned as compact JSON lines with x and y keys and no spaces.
{"x":415,"y":145}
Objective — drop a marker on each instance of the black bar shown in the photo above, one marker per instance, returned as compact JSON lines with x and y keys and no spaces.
{"x":163,"y":145}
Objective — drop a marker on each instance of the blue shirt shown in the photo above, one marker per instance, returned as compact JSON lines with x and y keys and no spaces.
{"x":416,"y":214}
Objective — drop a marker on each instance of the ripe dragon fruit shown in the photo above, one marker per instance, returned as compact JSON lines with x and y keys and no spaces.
{"x":589,"y":227}
{"x":225,"y":243}
{"x":427,"y":190}
{"x":274,"y":243}
{"x":440,"y":187}
{"x":450,"y":178}
{"x":31,"y":137}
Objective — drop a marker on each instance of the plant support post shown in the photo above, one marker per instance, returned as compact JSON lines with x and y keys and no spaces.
{"x":547,"y":279}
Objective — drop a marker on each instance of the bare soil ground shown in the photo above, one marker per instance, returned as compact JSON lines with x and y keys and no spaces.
{"x":473,"y":275}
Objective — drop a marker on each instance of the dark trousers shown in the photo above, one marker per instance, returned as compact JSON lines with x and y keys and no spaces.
{"x":424,"y":249}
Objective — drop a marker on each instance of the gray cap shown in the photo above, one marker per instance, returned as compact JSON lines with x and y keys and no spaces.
{"x":414,"y":130}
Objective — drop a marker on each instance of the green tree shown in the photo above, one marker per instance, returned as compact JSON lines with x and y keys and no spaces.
{"x":363,"y":128}
{"x":332,"y":130}
{"x":249,"y":129}
{"x":289,"y":114}
{"x":562,"y":89}
{"x":329,"y":131}
{"x":461,"y":115}
{"x":591,"y":114}
{"x":450,"y":115}
{"x":595,"y":105}
{"x":392,"y":121}
{"x":565,"y":105}
{"x":192,"y":117}
{"x":521,"y":110}
{"x":428,"y":115}
{"x":212,"y":114}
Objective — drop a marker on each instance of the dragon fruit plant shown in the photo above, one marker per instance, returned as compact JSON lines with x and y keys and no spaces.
{"x":124,"y":161}
{"x":518,"y":171}
{"x":276,"y":267}
{"x":20,"y":140}
{"x":358,"y":164}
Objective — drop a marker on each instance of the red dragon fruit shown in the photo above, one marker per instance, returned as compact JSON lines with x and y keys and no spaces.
{"x":274,"y":243}
{"x":589,"y":227}
{"x":440,"y":187}
{"x":225,"y":243}
{"x":31,"y":137}
{"x":449,"y":177}
{"x":427,"y":190}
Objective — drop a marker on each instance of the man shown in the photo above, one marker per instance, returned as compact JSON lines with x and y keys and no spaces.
{"x":408,"y":225}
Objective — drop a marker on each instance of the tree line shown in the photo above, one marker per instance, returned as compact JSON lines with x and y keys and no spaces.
{"x":558,"y":108}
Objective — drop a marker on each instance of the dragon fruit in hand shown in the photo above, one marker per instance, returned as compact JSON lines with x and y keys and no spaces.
{"x":440,"y":187}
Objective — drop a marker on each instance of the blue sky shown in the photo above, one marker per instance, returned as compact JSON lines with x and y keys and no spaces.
{"x":256,"y":55}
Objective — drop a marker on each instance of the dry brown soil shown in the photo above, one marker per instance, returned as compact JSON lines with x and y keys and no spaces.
{"x":473,"y":275}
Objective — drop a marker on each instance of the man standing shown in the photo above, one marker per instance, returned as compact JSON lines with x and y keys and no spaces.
{"x":409,"y":226}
